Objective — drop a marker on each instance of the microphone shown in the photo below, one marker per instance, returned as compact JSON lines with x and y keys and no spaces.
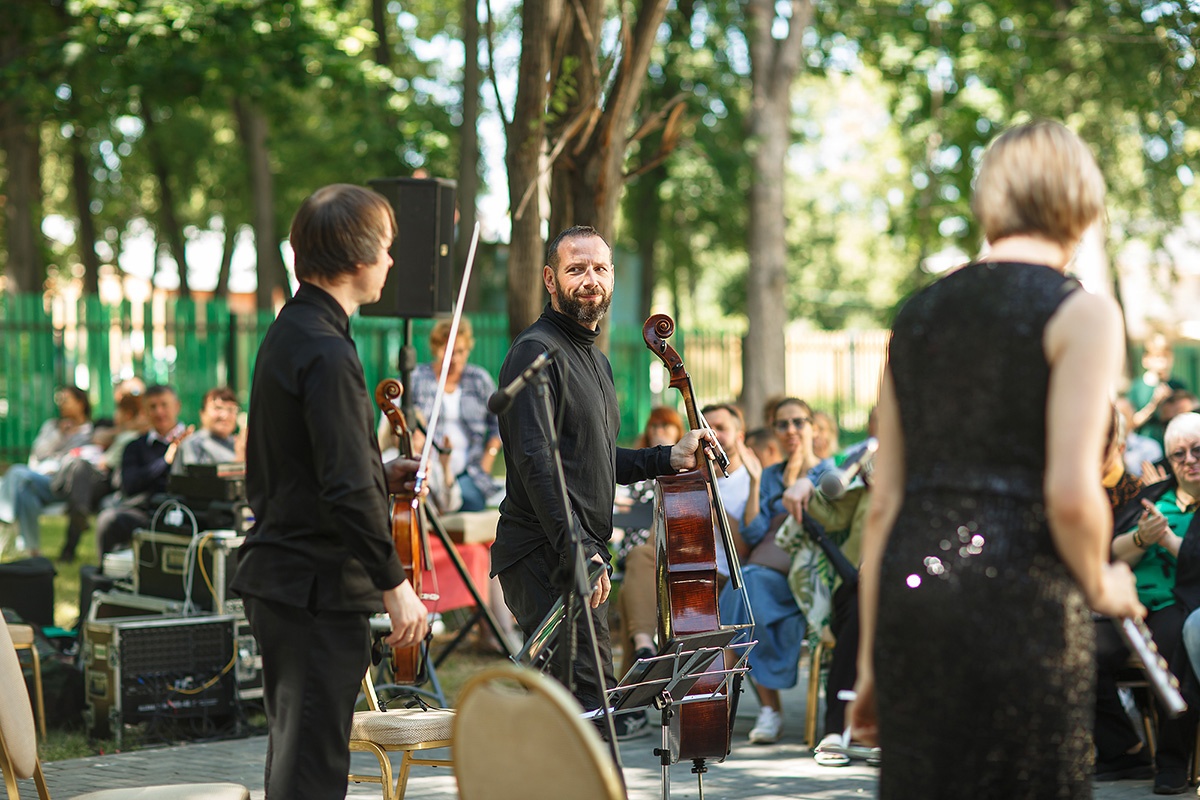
{"x":835,"y":482}
{"x":501,"y":399}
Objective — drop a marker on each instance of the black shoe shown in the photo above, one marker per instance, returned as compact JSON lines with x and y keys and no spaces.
{"x":1126,"y":767}
{"x":643,"y":652}
{"x":631,"y":726}
{"x":1172,"y":780}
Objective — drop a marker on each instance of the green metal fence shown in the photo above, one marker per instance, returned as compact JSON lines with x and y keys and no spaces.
{"x":195,"y":345}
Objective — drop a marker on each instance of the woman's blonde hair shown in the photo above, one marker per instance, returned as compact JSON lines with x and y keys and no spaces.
{"x":440,"y":335}
{"x":1038,"y":178}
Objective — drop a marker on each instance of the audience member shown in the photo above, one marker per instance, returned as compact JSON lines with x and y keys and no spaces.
{"x":145,"y":466}
{"x":1139,"y":449}
{"x":1153,"y":548}
{"x":1153,"y":387}
{"x":764,"y":445}
{"x":214,"y":442}
{"x":84,"y":482}
{"x":825,"y":435}
{"x":25,"y":489}
{"x":778,"y":623}
{"x":474,"y":432}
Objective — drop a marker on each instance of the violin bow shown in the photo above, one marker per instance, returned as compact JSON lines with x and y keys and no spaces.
{"x":423,"y":466}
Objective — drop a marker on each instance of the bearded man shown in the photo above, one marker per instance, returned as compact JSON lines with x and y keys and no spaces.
{"x":532,"y":552}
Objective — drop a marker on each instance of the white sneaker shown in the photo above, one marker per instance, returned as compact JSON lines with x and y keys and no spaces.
{"x":768,"y":727}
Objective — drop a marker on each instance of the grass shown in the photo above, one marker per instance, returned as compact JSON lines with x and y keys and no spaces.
{"x":66,"y":743}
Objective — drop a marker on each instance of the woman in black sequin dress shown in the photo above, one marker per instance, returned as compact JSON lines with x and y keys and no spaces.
{"x":988,"y":534}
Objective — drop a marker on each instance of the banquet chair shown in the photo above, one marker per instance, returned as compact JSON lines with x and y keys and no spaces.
{"x":18,"y":747}
{"x":555,"y":743}
{"x":382,"y":731}
{"x":817,"y":660}
{"x":23,"y":638}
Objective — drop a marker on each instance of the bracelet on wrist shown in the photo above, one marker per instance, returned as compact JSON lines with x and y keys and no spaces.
{"x":1137,"y":540}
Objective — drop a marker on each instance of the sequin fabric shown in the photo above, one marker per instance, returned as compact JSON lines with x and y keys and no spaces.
{"x":984,"y":664}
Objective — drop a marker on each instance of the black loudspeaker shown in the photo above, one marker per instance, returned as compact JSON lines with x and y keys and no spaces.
{"x":27,"y":587}
{"x":421,"y":281}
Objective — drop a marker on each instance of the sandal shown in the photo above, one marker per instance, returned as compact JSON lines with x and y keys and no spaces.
{"x":830,"y":752}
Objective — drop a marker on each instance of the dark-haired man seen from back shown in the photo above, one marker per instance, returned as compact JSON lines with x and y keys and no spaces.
{"x":320,"y":560}
{"x":531,"y":552}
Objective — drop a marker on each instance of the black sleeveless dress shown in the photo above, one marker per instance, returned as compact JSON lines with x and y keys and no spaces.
{"x":983,"y":656}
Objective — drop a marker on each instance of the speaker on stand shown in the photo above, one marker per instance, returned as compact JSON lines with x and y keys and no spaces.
{"x":421,"y":281}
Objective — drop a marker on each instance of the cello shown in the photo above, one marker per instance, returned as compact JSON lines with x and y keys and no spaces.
{"x":689,"y":517}
{"x":408,"y":535}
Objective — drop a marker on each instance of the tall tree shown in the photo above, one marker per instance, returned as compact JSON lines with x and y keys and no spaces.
{"x":774,"y":64}
{"x":526,"y":135}
{"x":272,"y":276}
{"x":468,"y":143}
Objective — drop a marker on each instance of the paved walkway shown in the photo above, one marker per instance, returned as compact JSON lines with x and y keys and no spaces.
{"x":770,"y":772}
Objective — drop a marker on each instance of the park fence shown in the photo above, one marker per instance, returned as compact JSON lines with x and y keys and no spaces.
{"x":195,"y":345}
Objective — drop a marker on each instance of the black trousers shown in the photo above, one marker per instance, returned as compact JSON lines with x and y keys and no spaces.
{"x":529,"y":594}
{"x":313,"y":664}
{"x":843,"y":667}
{"x":1114,"y":732}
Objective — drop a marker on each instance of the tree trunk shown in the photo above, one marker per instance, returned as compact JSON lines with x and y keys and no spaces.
{"x":774,"y":64}
{"x":589,"y":175}
{"x":526,"y":135}
{"x":272,"y":275}
{"x":81,"y":184}
{"x":468,"y":147}
{"x":646,"y":224}
{"x":168,"y":223}
{"x":379,"y":18}
{"x":231,"y":233}
{"x":26,"y":271}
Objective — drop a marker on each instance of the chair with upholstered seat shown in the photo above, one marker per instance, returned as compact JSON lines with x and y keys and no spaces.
{"x":23,"y":638}
{"x":18,"y":746}
{"x":513,"y":723}
{"x":404,"y":730}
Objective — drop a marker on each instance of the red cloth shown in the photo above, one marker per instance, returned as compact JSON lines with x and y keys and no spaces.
{"x":444,"y":580}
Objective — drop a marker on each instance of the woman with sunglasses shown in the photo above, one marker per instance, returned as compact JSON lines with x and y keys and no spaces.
{"x":778,"y":623}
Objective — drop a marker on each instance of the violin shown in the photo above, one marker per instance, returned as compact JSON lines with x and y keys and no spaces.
{"x":689,"y":517}
{"x":408,"y":534}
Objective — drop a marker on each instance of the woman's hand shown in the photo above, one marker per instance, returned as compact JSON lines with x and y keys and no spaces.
{"x":1152,"y":525}
{"x":863,"y":713}
{"x":1116,"y":594}
{"x":1152,"y":473}
{"x":796,"y":497}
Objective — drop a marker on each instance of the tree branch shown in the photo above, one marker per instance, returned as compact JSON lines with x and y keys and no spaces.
{"x":491,"y":51}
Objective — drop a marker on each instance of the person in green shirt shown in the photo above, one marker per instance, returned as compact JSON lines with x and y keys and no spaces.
{"x":1151,"y":548}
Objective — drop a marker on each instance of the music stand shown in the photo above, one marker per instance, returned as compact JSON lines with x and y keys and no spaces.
{"x":663,"y":681}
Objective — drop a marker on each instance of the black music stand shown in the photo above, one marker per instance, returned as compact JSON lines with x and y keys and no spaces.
{"x":663,"y":681}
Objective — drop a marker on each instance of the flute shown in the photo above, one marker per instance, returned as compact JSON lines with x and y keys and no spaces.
{"x":1139,"y":639}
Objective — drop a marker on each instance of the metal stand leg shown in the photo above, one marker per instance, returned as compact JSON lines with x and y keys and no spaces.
{"x":698,"y":769}
{"x":663,"y":702}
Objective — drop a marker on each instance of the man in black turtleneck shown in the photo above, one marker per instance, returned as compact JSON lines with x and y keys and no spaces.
{"x":532,"y":541}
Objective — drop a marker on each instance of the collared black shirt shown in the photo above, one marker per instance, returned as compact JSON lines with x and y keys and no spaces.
{"x":587,"y":421}
{"x":314,"y":476}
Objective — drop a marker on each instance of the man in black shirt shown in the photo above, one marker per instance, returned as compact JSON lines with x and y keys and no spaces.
{"x":531,"y":551}
{"x":320,"y":558}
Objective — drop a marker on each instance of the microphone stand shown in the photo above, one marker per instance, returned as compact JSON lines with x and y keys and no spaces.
{"x":577,"y":589}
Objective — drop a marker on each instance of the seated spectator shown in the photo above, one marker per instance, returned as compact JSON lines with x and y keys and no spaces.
{"x":1139,"y":449}
{"x":764,"y":445}
{"x":778,"y":623}
{"x":1153,"y":388}
{"x":85,"y":481}
{"x":145,"y":466}
{"x":825,"y":435}
{"x":26,"y":488}
{"x":215,"y":442}
{"x":1153,"y":548}
{"x":664,"y":426}
{"x":473,"y":430}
